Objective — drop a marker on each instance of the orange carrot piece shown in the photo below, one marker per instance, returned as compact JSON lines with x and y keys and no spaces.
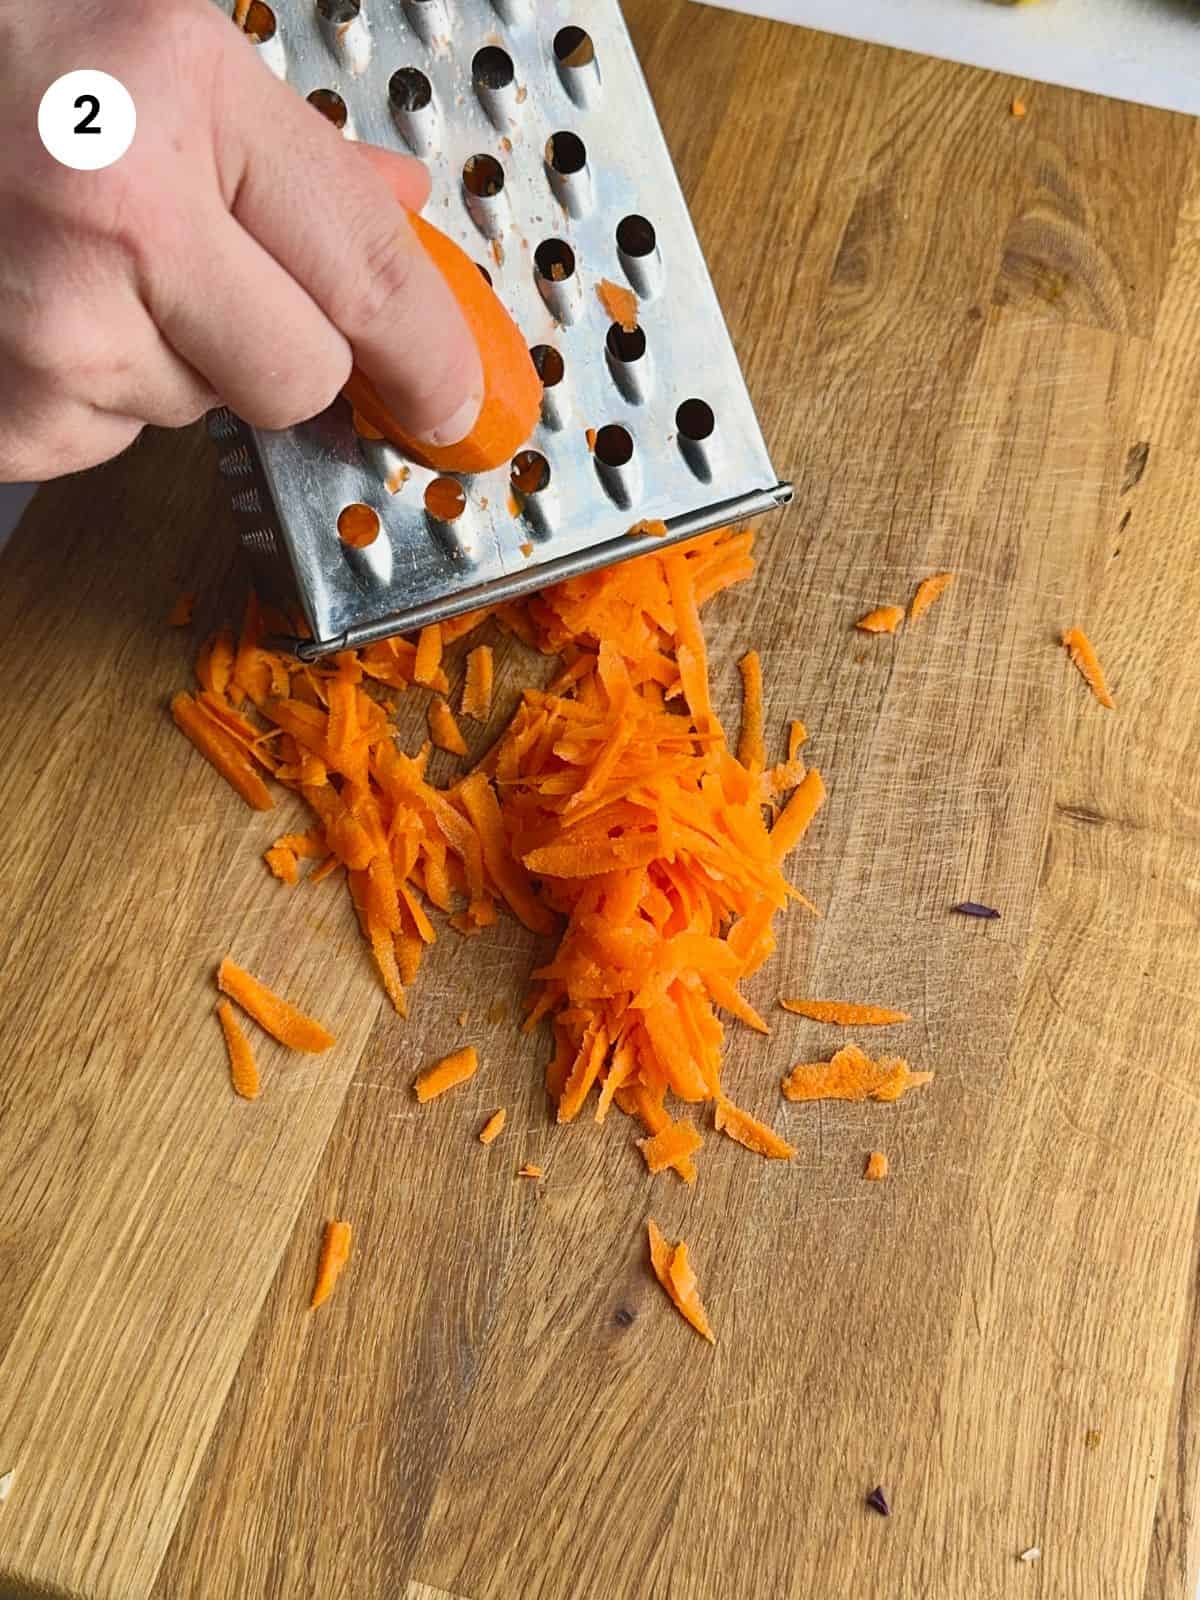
{"x":877,"y":1167}
{"x":282,"y":863}
{"x":619,"y":302}
{"x":429,"y":655}
{"x":335,"y":1252}
{"x":1079,"y":647}
{"x":243,"y":1071}
{"x":530,"y":1171}
{"x":677,"y":1141}
{"x":927,"y":592}
{"x":477,"y":691}
{"x":673,"y":1270}
{"x":648,"y":528}
{"x":589,"y":435}
{"x":751,"y":1133}
{"x":445,"y":1074}
{"x":750,"y":750}
{"x":844,"y":1013}
{"x":241,"y":10}
{"x":444,"y":730}
{"x":493,"y":1127}
{"x":884,"y":619}
{"x":214,"y":663}
{"x":281,"y":1020}
{"x":793,"y":821}
{"x":852,"y":1075}
{"x":221,"y":751}
{"x":797,"y":735}
{"x":180,"y":614}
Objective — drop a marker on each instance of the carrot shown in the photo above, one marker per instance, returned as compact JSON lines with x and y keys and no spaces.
{"x":750,"y":750}
{"x":1017,"y":108}
{"x":429,"y":655}
{"x":673,"y":1270}
{"x":282,"y":863}
{"x":748,"y":1131}
{"x":927,"y":592}
{"x":884,"y":619}
{"x":793,"y":821}
{"x":844,"y":1013}
{"x":662,"y":1150}
{"x":528,"y":1170}
{"x":648,"y":528}
{"x":1079,"y":647}
{"x":619,"y":302}
{"x":243,"y":1072}
{"x":797,"y":736}
{"x":180,"y":614}
{"x":443,"y":729}
{"x":446,"y":1073}
{"x":214,"y":664}
{"x":589,"y":435}
{"x":221,"y":751}
{"x":493,"y":1127}
{"x":241,"y":10}
{"x":281,"y":1020}
{"x":335,"y":1252}
{"x":852,"y":1075}
{"x":512,"y":390}
{"x":877,"y":1167}
{"x":477,"y":691}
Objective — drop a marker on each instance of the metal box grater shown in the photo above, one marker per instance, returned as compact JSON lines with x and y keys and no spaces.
{"x":550,"y":168}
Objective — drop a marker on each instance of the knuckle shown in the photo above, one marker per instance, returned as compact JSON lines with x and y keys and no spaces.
{"x":383,"y":283}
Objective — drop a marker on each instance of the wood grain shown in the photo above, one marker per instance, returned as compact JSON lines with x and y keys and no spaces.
{"x":956,"y":326}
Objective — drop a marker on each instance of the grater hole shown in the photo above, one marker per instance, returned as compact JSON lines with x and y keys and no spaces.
{"x":548,"y":364}
{"x":331,"y":106}
{"x":339,"y":10}
{"x":483,"y":176}
{"x":636,"y":236}
{"x":358,"y":525}
{"x":554,"y":260}
{"x":445,"y":499}
{"x":409,"y":90}
{"x":695,"y":420}
{"x":487,"y":277}
{"x":625,"y":344}
{"x":492,"y":68}
{"x":573,"y":47}
{"x":566,"y":153}
{"x":530,"y":472}
{"x":614,"y":445}
{"x":260,"y":22}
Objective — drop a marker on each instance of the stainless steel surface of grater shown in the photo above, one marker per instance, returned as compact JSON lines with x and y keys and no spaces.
{"x":549,"y":167}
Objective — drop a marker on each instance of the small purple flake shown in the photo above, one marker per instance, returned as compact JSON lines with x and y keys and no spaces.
{"x":877,"y":1501}
{"x":972,"y":908}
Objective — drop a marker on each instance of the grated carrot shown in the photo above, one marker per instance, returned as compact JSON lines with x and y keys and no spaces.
{"x":793,"y":821}
{"x":243,"y":1071}
{"x":589,"y":435}
{"x":180,"y":614}
{"x":877,"y":1167}
{"x":530,"y":1171}
{"x":281,"y":1020}
{"x":221,"y":751}
{"x":797,"y":736}
{"x":477,"y":691}
{"x":1079,"y":647}
{"x":748,"y":1131}
{"x":453,"y":1069}
{"x":844,"y":1013}
{"x":335,"y":1252}
{"x":648,"y":528}
{"x":852,"y":1075}
{"x":443,"y":729}
{"x":884,"y":619}
{"x":674,"y":1271}
{"x":751,"y":752}
{"x":429,"y":656}
{"x":676,"y":1141}
{"x":927,"y":592}
{"x":493,"y":1127}
{"x":619,"y":302}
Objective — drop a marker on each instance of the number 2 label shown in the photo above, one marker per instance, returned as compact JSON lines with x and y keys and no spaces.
{"x":87,"y":119}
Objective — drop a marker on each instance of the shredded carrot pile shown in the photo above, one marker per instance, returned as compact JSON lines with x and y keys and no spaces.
{"x":1081,"y":651}
{"x":674,"y":1271}
{"x":180,"y":614}
{"x":493,"y":1127}
{"x":884,"y":619}
{"x":927,"y":592}
{"x":452,"y":1069}
{"x":281,"y":1020}
{"x":335,"y":1252}
{"x":843,"y":1013}
{"x":877,"y":1167}
{"x":852,"y":1075}
{"x":243,"y":1071}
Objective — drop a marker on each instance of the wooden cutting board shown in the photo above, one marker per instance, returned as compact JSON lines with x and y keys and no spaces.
{"x":973,"y":342}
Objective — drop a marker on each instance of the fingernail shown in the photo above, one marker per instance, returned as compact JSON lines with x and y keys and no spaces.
{"x":457,"y":426}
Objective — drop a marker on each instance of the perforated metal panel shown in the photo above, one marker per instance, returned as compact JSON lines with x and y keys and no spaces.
{"x":550,"y":168}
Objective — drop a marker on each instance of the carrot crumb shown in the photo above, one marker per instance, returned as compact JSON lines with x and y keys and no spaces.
{"x":619,"y":302}
{"x":590,"y":436}
{"x":927,"y":592}
{"x":884,"y":619}
{"x":1018,"y":108}
{"x":530,"y":1171}
{"x":335,"y":1252}
{"x":526,"y":548}
{"x":653,"y":528}
{"x":1081,"y":651}
{"x":453,"y":1069}
{"x":877,"y":1167}
{"x":396,"y":480}
{"x":180,"y":614}
{"x":493,"y":1127}
{"x":462,"y":1019}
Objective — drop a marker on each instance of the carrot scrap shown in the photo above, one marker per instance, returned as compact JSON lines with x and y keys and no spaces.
{"x":444,"y":730}
{"x":1017,"y":108}
{"x":335,"y":1252}
{"x":877,"y":1167}
{"x":526,"y":548}
{"x":493,"y":1127}
{"x":180,"y":614}
{"x":677,"y":1140}
{"x":221,"y":751}
{"x":462,"y":1019}
{"x":844,"y":1013}
{"x":445,"y":1074}
{"x":1079,"y":647}
{"x":214,"y":664}
{"x":530,"y":1171}
{"x":751,"y":752}
{"x":477,"y":691}
{"x":797,"y":736}
{"x":884,"y":619}
{"x":751,"y":1133}
{"x":283,"y":863}
{"x":793,"y":821}
{"x":652,"y":528}
{"x":674,"y":1271}
{"x":281,"y":1020}
{"x":619,"y":302}
{"x":243,"y":1071}
{"x":429,"y":655}
{"x":241,"y":10}
{"x":852,"y":1075}
{"x":927,"y":592}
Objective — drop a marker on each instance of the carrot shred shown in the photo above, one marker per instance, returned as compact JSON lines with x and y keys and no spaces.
{"x":676,"y":1141}
{"x":429,"y":656}
{"x":477,"y":691}
{"x":619,"y":302}
{"x":845,"y":1014}
{"x":241,"y":10}
{"x":852,"y":1075}
{"x":1082,"y":652}
{"x":493,"y":1127}
{"x":648,"y":528}
{"x":797,"y":736}
{"x":877,"y":1167}
{"x":281,"y":1020}
{"x":884,"y":619}
{"x":751,"y":1133}
{"x":528,"y":1170}
{"x":283,"y":863}
{"x":335,"y":1252}
{"x":443,"y":729}
{"x":674,"y":1271}
{"x":221,"y":751}
{"x":793,"y":821}
{"x":243,"y":1071}
{"x":927,"y":592}
{"x":751,"y":752}
{"x":180,"y":614}
{"x":589,"y":435}
{"x":445,"y":1074}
